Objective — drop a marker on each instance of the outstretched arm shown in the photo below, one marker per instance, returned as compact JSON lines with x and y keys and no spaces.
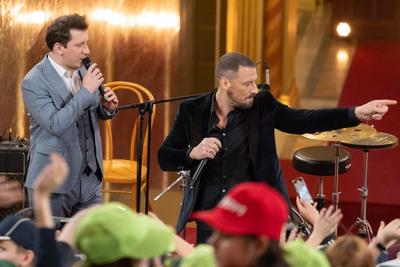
{"x":387,"y":235}
{"x":373,"y":110}
{"x":51,"y":177}
{"x":326,"y":224}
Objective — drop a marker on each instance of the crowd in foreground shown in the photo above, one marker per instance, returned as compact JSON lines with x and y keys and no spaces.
{"x":250,"y":229}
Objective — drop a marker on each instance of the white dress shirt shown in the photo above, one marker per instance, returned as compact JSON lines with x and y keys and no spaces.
{"x":73,"y":82}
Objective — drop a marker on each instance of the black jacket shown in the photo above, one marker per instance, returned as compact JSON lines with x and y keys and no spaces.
{"x":266,"y":115}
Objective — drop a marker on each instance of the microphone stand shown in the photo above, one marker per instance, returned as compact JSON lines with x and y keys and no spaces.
{"x":147,"y":107}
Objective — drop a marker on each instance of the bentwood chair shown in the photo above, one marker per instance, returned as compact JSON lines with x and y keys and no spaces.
{"x":124,"y":171}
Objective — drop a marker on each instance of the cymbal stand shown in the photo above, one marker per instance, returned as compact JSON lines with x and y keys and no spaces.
{"x":320,"y":199}
{"x":336,"y":193}
{"x":183,"y":176}
{"x":364,"y":229}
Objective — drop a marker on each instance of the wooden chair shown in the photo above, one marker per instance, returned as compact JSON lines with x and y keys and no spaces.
{"x":123,"y":171}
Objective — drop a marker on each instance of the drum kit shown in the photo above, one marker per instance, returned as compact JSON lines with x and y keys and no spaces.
{"x":365,"y":138}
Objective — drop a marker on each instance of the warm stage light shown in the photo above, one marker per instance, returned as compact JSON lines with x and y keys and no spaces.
{"x":343,"y":29}
{"x":156,"y":20}
{"x":34,"y":17}
{"x":342,"y":56}
{"x":38,"y":17}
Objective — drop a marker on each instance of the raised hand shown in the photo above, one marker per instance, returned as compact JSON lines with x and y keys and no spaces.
{"x":308,"y":211}
{"x":326,"y":224}
{"x":373,"y":110}
{"x":388,"y":234}
{"x":10,"y":192}
{"x":93,"y":78}
{"x":111,"y":100}
{"x":328,"y":220}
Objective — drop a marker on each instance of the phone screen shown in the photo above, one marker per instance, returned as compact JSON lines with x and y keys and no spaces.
{"x":302,"y":190}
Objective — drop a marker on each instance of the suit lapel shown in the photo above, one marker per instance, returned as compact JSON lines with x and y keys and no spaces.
{"x":57,"y":84}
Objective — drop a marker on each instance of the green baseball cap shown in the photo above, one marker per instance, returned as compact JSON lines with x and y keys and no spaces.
{"x":113,"y":231}
{"x":299,"y":254}
{"x":4,"y":263}
{"x":202,"y":256}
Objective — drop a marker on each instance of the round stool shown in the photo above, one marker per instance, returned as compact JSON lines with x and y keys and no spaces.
{"x":320,"y":161}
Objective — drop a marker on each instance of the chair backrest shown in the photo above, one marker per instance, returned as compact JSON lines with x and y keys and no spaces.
{"x":142,"y":94}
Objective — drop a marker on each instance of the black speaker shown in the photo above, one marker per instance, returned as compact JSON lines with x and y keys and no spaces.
{"x":13,"y":157}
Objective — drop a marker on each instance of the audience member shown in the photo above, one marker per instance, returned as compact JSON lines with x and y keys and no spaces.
{"x":113,"y":235}
{"x":386,"y":237}
{"x":325,"y":225}
{"x":299,"y":254}
{"x":10,"y":192}
{"x":4,"y":263}
{"x":247,"y":223}
{"x":53,"y":253}
{"x":19,"y":241}
{"x":350,"y":251}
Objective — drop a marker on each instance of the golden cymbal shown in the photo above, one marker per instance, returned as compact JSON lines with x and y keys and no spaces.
{"x":345,"y":134}
{"x":375,"y":141}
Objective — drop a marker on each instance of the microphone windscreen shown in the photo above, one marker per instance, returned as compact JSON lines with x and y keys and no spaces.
{"x":87,"y":62}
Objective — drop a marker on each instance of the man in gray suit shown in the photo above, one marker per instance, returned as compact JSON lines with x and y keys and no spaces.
{"x":64,"y":105}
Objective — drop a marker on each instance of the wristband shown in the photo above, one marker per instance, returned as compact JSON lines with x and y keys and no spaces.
{"x":380,"y":247}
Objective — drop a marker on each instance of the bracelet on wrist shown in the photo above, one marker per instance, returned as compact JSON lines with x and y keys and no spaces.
{"x":381,"y":247}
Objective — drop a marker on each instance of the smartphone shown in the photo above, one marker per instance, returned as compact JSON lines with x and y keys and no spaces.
{"x":302,"y":190}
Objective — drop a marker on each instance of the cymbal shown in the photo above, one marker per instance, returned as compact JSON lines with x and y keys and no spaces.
{"x":345,"y":134}
{"x":375,"y":141}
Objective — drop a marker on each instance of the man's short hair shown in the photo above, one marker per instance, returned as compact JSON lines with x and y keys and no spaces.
{"x":230,"y":62}
{"x":59,"y":30}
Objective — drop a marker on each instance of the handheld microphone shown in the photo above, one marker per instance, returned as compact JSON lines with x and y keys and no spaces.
{"x":200,"y":168}
{"x":198,"y":171}
{"x":86,"y":63}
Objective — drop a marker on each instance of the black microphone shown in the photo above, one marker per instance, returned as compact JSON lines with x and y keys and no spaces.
{"x":201,"y":165}
{"x":86,"y":63}
{"x":198,"y":171}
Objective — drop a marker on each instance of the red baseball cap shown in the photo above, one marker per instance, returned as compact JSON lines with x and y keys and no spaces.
{"x":249,"y":208}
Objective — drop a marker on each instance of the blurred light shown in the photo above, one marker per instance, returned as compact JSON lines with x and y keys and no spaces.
{"x":284,"y":99}
{"x":15,"y":10}
{"x":35,"y":17}
{"x":342,"y":56}
{"x":157,"y":20}
{"x":343,"y":29}
{"x":112,"y":18}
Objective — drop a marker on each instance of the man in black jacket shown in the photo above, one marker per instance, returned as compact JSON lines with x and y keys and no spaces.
{"x":233,"y":127}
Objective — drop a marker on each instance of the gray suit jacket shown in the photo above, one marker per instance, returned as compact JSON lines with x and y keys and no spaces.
{"x":53,"y":113}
